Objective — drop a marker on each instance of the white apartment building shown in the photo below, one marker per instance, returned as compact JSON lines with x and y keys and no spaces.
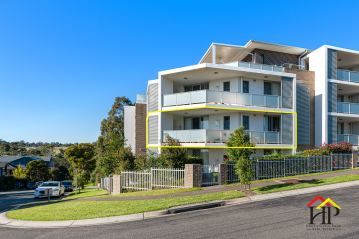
{"x":336,"y":94}
{"x":287,"y":98}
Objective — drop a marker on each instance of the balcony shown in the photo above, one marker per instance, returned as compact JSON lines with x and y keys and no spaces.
{"x":251,"y":65}
{"x":349,"y":76}
{"x":220,"y":136}
{"x":348,"y":108}
{"x":219,"y":97}
{"x":350,"y":138}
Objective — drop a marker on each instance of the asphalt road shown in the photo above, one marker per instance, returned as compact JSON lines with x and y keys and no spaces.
{"x":277,"y":218}
{"x":12,"y":199}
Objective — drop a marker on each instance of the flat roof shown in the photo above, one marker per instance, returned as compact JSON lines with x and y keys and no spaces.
{"x":227,"y":52}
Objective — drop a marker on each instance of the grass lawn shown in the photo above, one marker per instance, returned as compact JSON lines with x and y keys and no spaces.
{"x":155,"y":192}
{"x":74,"y":210}
{"x":311,"y":183}
{"x":87,"y":192}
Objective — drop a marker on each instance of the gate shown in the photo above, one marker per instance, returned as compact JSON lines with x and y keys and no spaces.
{"x":210,"y":175}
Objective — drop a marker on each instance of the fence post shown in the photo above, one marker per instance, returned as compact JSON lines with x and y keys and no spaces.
{"x":354,"y":159}
{"x":151,"y":179}
{"x":111,"y":184}
{"x":116,"y":184}
{"x":193,"y":175}
{"x":222,"y":174}
{"x":331,"y":162}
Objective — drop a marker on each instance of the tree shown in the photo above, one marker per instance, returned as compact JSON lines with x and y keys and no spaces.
{"x":112,"y":128}
{"x":37,"y":171}
{"x":239,"y":138}
{"x":60,"y":174}
{"x":115,"y":162}
{"x":82,"y":161}
{"x":110,"y":144}
{"x":19,"y":173}
{"x":173,"y":156}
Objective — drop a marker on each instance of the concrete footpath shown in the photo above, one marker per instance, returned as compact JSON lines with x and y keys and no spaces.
{"x":6,"y":222}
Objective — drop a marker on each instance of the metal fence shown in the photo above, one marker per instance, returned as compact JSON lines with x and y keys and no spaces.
{"x":210,"y":175}
{"x":106,"y":183}
{"x":152,"y":179}
{"x":264,"y":169}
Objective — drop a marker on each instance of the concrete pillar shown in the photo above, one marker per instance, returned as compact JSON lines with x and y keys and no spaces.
{"x":222,"y":174}
{"x":116,"y":184}
{"x":354,"y":159}
{"x":214,"y":54}
{"x":193,"y":175}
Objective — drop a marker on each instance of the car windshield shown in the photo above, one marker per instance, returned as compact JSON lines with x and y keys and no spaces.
{"x":49,"y":185}
{"x":67,"y":183}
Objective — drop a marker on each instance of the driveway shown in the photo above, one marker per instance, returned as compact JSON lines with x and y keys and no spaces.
{"x":277,"y":218}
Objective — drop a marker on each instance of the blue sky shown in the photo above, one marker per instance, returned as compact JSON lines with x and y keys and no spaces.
{"x":63,"y":62}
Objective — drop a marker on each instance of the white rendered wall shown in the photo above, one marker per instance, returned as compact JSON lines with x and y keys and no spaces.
{"x":215,"y":156}
{"x":130,"y":127}
{"x":318,"y":63}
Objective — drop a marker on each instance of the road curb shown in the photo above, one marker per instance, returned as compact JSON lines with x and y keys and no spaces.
{"x":194,"y":207}
{"x":7,"y":222}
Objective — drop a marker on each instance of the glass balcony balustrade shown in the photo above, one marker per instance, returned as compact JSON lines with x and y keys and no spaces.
{"x":221,"y":97}
{"x":220,"y":136}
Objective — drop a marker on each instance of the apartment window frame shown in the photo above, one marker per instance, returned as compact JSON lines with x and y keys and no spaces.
{"x":227,"y":86}
{"x":227,"y":122}
{"x":267,"y":88}
{"x":246,"y":122}
{"x":245,"y":86}
{"x":272,"y":123}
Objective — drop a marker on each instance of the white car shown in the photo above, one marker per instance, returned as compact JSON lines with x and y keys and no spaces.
{"x":50,"y":188}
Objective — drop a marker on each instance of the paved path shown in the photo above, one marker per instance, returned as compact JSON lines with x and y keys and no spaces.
{"x":277,"y":218}
{"x":222,"y":188}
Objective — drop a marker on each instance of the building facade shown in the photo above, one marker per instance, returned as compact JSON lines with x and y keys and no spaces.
{"x":287,"y":98}
{"x":135,"y":125}
{"x":336,"y":94}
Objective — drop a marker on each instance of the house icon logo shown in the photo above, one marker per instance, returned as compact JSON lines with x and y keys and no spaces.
{"x":324,"y":209}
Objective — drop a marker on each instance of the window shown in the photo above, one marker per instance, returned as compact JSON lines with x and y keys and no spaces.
{"x":245,"y":87}
{"x":202,"y":86}
{"x":226,"y":86}
{"x":196,"y":122}
{"x":267,"y":88}
{"x":196,"y":87}
{"x":227,"y":123}
{"x":272,"y":123}
{"x":262,"y":58}
{"x":245,"y":122}
{"x":340,"y":128}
